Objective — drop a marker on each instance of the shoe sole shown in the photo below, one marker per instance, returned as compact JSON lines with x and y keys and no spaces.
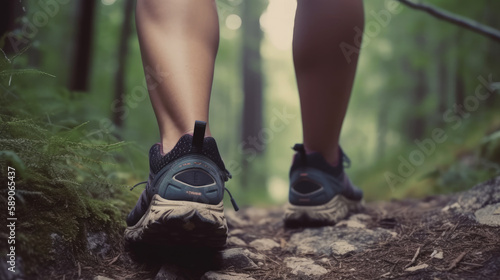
{"x":173,"y":223}
{"x":327,"y":214}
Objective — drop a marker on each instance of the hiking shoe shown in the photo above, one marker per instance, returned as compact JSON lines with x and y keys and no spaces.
{"x":320,"y":194}
{"x":182,"y":203}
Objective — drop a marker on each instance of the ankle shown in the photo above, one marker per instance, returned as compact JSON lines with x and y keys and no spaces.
{"x":333,"y":158}
{"x":169,"y":141}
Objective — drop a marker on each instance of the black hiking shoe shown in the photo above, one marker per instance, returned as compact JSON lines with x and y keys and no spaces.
{"x":320,"y":194}
{"x":182,"y":203}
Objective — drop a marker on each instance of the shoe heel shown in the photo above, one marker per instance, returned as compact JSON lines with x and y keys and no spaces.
{"x":327,"y":214}
{"x":172,"y":223}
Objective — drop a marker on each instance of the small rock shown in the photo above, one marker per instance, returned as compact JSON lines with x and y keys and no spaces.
{"x":282,"y":243}
{"x":260,"y":263}
{"x":265,"y":221}
{"x":99,"y":277}
{"x":234,"y":220}
{"x":489,"y":215}
{"x":97,"y":243}
{"x":437,"y":254}
{"x":257,"y":214}
{"x":479,"y":196}
{"x":324,"y":261}
{"x":342,"y":247}
{"x":303,"y":266}
{"x":355,"y":221}
{"x":307,"y":246}
{"x":237,"y":232}
{"x":211,"y":275}
{"x":236,"y":257}
{"x":417,"y":267}
{"x":264,"y":244}
{"x":256,"y":257}
{"x":233,"y":240}
{"x":454,"y":206}
{"x":313,"y":240}
{"x":361,"y":217}
{"x":351,"y":224}
{"x":169,"y":271}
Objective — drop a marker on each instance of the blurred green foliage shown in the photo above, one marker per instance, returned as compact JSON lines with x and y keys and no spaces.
{"x":402,"y":51}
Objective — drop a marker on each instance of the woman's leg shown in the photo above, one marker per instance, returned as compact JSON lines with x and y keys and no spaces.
{"x":179,"y":41}
{"x":324,"y":75}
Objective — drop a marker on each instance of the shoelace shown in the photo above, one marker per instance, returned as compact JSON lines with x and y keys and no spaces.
{"x":228,"y":175}
{"x":132,"y":188}
{"x":233,"y":202}
{"x":346,"y":161}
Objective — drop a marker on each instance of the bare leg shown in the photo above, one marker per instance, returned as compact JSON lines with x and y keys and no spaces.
{"x":324,"y":76}
{"x":179,"y":41}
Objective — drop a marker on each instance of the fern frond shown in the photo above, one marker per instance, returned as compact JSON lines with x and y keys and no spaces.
{"x":26,"y":123}
{"x":67,"y":181}
{"x":491,"y":137}
{"x":14,"y":159}
{"x":19,"y":53}
{"x":22,"y":193}
{"x":4,"y":60}
{"x":17,"y":72}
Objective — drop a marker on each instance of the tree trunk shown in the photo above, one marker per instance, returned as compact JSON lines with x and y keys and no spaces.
{"x":382,"y":131}
{"x":459,"y":83}
{"x":416,"y":123}
{"x":442,"y":86}
{"x":252,"y":72}
{"x":459,"y":79}
{"x":80,"y":72}
{"x":10,"y":11}
{"x":118,"y":101}
{"x":492,"y":19}
{"x":252,"y":119}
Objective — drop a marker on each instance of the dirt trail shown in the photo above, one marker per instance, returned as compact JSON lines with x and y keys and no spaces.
{"x":440,"y":237}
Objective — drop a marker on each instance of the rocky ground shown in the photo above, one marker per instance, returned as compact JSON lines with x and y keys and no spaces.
{"x":441,"y":237}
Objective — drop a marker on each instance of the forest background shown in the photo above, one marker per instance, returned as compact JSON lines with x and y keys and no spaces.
{"x":423,"y":118}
